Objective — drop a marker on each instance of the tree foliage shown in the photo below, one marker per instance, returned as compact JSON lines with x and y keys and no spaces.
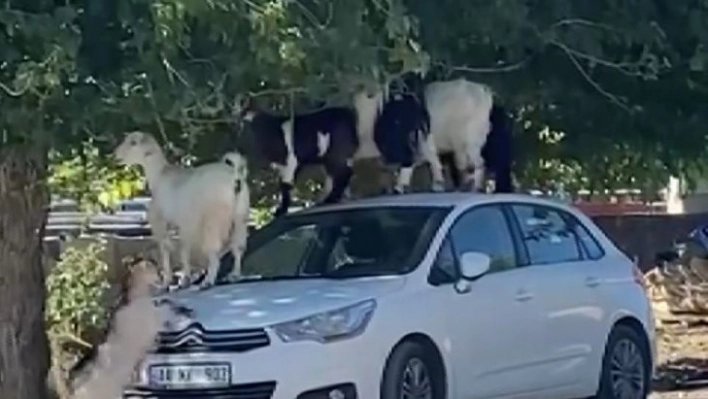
{"x":84,"y":175}
{"x":622,"y":80}
{"x":605,"y":92}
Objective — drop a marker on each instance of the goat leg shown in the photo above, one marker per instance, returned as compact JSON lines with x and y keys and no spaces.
{"x":448,"y":161}
{"x":238,"y":246}
{"x":186,"y":279}
{"x":166,"y":271}
{"x":285,"y":199}
{"x":502,"y":181}
{"x":212,"y":272}
{"x":430,"y":155}
{"x":161,"y":234}
{"x":341,"y":176}
{"x":403,"y":180}
{"x":288,"y":174}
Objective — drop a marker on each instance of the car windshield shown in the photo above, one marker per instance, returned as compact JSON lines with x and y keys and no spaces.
{"x":343,"y":243}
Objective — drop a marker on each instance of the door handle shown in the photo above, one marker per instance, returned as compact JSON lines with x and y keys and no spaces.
{"x":592,"y":282}
{"x":523,"y":296}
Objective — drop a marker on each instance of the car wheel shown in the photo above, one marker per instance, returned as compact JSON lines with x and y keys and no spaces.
{"x":413,"y":372}
{"x":626,"y":366}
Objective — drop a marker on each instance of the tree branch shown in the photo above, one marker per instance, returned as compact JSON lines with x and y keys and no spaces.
{"x":158,"y":119}
{"x":614,"y":99}
{"x":620,"y":67}
{"x":312,"y":18}
{"x":172,"y":71}
{"x":72,"y":338}
{"x":499,"y":69}
{"x":16,"y":92}
{"x":583,"y":22}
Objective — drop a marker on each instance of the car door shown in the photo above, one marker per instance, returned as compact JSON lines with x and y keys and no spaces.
{"x":494,"y":322}
{"x":567,"y":276}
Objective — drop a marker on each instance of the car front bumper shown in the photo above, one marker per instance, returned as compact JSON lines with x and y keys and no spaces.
{"x":278,"y":371}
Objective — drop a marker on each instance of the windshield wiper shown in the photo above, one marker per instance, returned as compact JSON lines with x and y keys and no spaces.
{"x":332,"y":275}
{"x":369,"y":273}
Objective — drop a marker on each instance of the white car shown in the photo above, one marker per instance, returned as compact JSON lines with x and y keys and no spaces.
{"x":417,"y":296}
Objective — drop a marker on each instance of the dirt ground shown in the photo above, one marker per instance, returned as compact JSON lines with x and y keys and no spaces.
{"x":683,"y":358}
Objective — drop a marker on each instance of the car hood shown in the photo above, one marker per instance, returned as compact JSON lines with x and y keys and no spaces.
{"x":263,"y":303}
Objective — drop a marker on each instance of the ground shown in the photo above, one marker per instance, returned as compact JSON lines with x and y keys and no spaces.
{"x":696,"y":394}
{"x":683,"y":355}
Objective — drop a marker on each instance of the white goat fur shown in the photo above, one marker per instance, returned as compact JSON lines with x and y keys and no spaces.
{"x":208,"y":204}
{"x":133,"y":332}
{"x":459,"y":124}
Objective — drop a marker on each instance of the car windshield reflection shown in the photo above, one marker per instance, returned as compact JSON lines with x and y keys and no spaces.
{"x":342,"y":244}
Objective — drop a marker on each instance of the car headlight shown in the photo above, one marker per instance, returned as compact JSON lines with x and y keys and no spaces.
{"x":328,"y":326}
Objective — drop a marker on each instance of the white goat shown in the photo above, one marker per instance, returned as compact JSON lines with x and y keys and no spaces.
{"x":133,"y":330}
{"x":208,"y":204}
{"x":459,"y":124}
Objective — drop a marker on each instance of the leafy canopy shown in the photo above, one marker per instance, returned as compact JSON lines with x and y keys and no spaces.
{"x":618,"y":84}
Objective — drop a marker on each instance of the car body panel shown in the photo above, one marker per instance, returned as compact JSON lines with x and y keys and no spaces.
{"x":492,"y":345}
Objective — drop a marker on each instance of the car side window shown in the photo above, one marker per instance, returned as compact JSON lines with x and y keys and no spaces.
{"x":546,"y":235}
{"x":445,"y":269}
{"x":485,"y":229}
{"x":592,"y":248}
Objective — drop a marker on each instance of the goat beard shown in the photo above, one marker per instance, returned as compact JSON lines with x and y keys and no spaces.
{"x":134,"y":329}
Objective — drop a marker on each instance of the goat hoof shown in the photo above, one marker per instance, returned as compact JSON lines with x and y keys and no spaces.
{"x":183,"y":282}
{"x":232,"y":278}
{"x":205,"y":285}
{"x":438,"y":187}
{"x":400,"y":190}
{"x":160,"y":290}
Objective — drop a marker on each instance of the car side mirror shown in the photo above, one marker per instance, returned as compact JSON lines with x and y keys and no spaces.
{"x":474,"y":265}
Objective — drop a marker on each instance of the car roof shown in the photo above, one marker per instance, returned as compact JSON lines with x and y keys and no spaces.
{"x":441,"y":200}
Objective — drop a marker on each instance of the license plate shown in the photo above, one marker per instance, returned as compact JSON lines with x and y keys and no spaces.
{"x":180,"y":376}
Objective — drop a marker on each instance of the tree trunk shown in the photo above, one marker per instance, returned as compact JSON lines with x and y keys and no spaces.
{"x":24,"y":352}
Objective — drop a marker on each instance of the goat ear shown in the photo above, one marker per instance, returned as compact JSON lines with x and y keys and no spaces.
{"x":143,"y":138}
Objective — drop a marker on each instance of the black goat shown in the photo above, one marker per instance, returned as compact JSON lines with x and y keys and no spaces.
{"x":397,"y":122}
{"x":326,"y":137}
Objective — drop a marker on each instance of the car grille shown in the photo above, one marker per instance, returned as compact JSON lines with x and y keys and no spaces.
{"x":194,"y":338}
{"x":261,"y":390}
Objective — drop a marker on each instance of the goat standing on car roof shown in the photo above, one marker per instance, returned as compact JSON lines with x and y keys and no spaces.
{"x":208,"y":204}
{"x":325,"y":137}
{"x":496,"y":153}
{"x":467,"y":131}
{"x":394,"y":124}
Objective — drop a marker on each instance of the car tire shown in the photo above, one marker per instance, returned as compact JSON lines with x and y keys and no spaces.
{"x":415,"y":366}
{"x":626,"y":364}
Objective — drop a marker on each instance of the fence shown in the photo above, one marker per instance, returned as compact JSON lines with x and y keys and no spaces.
{"x":636,"y":235}
{"x":644,"y":235}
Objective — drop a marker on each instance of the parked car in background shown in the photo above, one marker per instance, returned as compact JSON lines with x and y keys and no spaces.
{"x":135,"y":207}
{"x":435,"y":296}
{"x":129,"y":219}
